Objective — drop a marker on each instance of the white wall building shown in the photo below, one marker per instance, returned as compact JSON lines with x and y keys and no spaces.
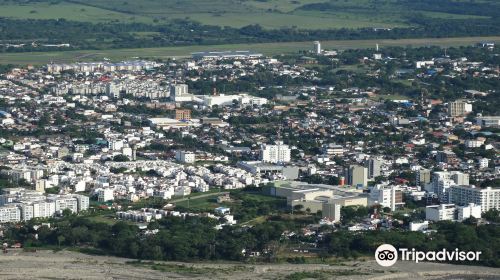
{"x":440,"y":212}
{"x":185,"y":157}
{"x":104,"y":195}
{"x":387,"y":196}
{"x":471,"y":210}
{"x":10,"y":213}
{"x":414,"y":226}
{"x":279,"y":153}
{"x":487,"y":198}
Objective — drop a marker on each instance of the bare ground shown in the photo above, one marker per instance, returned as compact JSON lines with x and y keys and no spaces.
{"x":71,"y":265}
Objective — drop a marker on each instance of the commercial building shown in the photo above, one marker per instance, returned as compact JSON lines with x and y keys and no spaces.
{"x":270,"y":170}
{"x":230,"y":99}
{"x":167,"y":123}
{"x":225,"y":55}
{"x":318,"y":197}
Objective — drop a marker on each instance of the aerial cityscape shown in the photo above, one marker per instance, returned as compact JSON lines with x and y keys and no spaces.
{"x":231,"y":139}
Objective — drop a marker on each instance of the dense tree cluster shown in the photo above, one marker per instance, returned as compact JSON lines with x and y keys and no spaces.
{"x":449,"y":235}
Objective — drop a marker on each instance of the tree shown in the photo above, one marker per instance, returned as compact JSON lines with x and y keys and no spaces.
{"x":492,"y":215}
{"x":60,"y":239}
{"x":121,"y":158}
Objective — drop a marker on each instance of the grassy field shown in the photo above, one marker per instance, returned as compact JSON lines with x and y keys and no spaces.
{"x":69,"y":11}
{"x":234,"y":13}
{"x":37,"y":58}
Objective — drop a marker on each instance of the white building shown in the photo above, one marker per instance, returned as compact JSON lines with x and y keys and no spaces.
{"x":451,"y":212}
{"x":317,"y":47}
{"x":443,"y":180}
{"x":178,"y":90}
{"x":440,"y":212}
{"x":31,"y":204}
{"x":471,"y":210}
{"x":115,"y":145}
{"x":387,"y":196}
{"x":483,"y":163}
{"x":279,"y":153}
{"x":420,"y":64}
{"x":10,"y":213}
{"x":487,"y":198}
{"x":475,"y":143}
{"x":185,"y":157}
{"x":104,"y":195}
{"x":414,"y":226}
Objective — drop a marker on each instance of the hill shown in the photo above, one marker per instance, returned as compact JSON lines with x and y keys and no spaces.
{"x":308,"y":14}
{"x":54,"y":25}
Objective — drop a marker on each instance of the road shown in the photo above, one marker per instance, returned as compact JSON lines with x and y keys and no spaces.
{"x":198,"y":196}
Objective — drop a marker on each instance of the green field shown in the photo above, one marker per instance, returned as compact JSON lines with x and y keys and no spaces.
{"x":69,"y":11}
{"x":234,"y":13}
{"x":38,"y":58}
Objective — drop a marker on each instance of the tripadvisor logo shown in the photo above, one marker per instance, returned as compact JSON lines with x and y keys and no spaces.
{"x":387,"y":255}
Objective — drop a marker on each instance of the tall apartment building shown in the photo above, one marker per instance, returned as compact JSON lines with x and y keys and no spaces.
{"x":459,"y":108}
{"x":423,"y":177}
{"x":331,"y":211}
{"x":357,"y":175}
{"x":442,"y":182}
{"x":185,"y":157}
{"x":447,"y":157}
{"x":317,"y":47}
{"x":279,"y":153}
{"x":387,"y":196}
{"x":374,"y":167}
{"x":487,"y":198}
{"x":178,"y":90}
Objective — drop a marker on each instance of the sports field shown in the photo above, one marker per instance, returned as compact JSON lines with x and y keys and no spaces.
{"x":266,"y":48}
